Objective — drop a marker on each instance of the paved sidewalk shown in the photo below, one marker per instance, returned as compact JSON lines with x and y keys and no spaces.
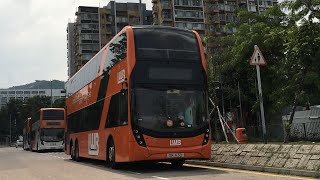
{"x":302,"y":160}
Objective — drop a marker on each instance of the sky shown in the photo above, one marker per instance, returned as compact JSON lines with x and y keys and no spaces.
{"x":33,"y":34}
{"x":33,"y":43}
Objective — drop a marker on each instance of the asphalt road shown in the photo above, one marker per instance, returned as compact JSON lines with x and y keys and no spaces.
{"x":19,"y":164}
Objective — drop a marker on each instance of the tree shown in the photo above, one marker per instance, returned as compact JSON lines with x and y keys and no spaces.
{"x":230,"y":64}
{"x":61,"y":103}
{"x":19,"y":112}
{"x":300,"y":70}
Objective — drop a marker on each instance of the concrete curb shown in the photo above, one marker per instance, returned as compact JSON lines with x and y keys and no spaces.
{"x":283,"y":171}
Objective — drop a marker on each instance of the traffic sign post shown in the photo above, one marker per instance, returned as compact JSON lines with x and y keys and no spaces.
{"x":258,"y":60}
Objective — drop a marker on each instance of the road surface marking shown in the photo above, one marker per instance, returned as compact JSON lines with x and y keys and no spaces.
{"x":250,"y":172}
{"x":158,"y":177}
{"x":134,"y":172}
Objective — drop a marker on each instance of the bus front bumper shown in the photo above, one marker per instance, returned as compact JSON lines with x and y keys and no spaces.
{"x":166,"y":154}
{"x":51,"y":145}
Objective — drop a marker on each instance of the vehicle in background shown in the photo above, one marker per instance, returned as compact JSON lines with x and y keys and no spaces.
{"x":143,"y":97}
{"x":26,"y":134}
{"x":47,"y":129}
{"x":19,"y":143}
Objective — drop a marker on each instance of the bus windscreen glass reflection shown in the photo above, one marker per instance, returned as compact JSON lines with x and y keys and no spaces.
{"x":185,"y":108}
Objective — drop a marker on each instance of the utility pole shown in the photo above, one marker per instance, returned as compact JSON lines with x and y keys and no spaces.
{"x":51,"y":93}
{"x":10,"y":131}
{"x":258,"y":60}
{"x":241,"y":116}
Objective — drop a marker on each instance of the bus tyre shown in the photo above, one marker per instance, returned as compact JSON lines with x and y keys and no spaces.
{"x":72,"y":151}
{"x":111,"y":155}
{"x":76,"y":152}
{"x":177,"y":163}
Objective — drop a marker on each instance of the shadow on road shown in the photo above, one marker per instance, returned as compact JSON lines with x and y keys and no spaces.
{"x":149,"y":169}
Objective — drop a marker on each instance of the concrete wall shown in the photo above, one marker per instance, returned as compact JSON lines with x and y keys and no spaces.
{"x":300,"y":157}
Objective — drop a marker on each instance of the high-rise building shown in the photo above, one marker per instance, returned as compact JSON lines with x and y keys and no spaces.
{"x":207,"y":17}
{"x":185,"y":14}
{"x":95,"y":27}
{"x":70,"y":45}
{"x":218,"y":13}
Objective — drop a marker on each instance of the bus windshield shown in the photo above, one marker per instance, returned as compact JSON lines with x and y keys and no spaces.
{"x":162,"y":45}
{"x":52,"y":134}
{"x":170,"y":110}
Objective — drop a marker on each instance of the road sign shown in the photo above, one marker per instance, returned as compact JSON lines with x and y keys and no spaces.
{"x":257,"y":57}
{"x":258,"y":60}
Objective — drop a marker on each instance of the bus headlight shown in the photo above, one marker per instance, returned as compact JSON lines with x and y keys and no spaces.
{"x":206,"y":137}
{"x":139,"y":137}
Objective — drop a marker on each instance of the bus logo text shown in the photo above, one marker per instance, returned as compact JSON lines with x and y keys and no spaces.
{"x":93,"y":144}
{"x":121,"y":76}
{"x":175,"y":142}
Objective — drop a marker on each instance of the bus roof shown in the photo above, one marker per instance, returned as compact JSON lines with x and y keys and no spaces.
{"x":158,"y":27}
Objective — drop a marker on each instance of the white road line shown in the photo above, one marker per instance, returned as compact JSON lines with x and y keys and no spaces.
{"x":133,"y":172}
{"x":158,"y":177}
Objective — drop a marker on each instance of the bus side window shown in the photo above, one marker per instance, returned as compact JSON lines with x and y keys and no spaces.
{"x":113,"y":112}
{"x":118,"y":110}
{"x":123,"y":103}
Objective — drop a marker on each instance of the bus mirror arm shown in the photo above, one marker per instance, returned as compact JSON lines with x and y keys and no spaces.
{"x":124,"y":85}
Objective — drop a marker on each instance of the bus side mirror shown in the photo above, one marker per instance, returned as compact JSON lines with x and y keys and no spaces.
{"x":123,"y":91}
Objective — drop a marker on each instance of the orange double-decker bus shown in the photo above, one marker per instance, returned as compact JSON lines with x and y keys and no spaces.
{"x":47,"y":129}
{"x":142,"y":97}
{"x":26,"y":134}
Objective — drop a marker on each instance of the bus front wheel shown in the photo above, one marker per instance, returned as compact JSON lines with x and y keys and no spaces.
{"x":111,"y":152}
{"x":177,"y":163}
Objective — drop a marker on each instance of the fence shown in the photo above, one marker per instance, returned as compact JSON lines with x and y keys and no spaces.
{"x":308,"y":131}
{"x":274,"y":132}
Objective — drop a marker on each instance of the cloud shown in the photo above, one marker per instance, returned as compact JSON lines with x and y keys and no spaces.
{"x":34,"y":39}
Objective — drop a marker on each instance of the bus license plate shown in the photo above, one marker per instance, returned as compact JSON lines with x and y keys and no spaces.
{"x":175,"y":155}
{"x":52,"y":144}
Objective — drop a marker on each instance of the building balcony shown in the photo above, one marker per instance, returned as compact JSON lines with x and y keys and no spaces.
{"x":211,"y":10}
{"x":166,"y":6}
{"x":242,"y":2}
{"x":214,"y":20}
{"x":166,"y":18}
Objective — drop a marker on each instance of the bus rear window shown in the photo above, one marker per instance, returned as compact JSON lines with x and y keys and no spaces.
{"x":53,"y":115}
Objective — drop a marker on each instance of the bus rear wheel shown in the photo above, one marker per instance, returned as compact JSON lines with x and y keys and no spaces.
{"x":72,"y":151}
{"x":177,"y":163}
{"x":76,"y":152}
{"x":111,"y":155}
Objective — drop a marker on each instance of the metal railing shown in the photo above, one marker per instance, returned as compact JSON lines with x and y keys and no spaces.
{"x":309,"y":131}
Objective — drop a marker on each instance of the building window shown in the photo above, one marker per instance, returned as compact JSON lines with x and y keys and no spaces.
{"x":42,"y":92}
{"x":12,"y":92}
{"x":4,"y":92}
{"x":19,"y":92}
{"x":26,"y":92}
{"x":34,"y":92}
